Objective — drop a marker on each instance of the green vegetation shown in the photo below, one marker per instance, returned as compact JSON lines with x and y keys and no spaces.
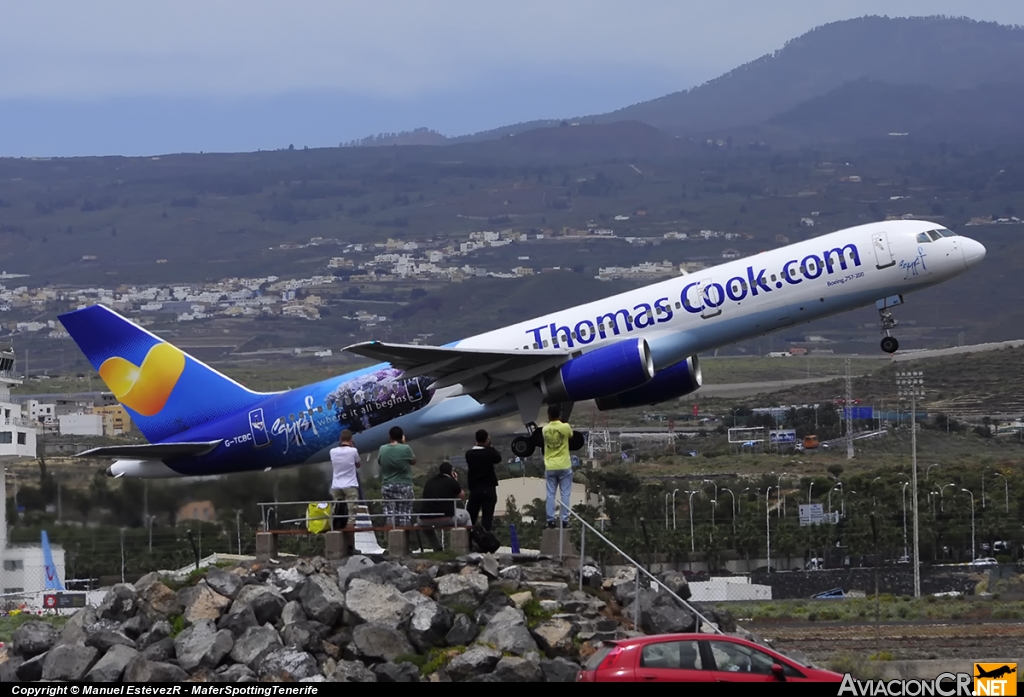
{"x":535,"y":614}
{"x":9,"y":623}
{"x":178,"y":624}
{"x":857,"y":665}
{"x":433,"y":660}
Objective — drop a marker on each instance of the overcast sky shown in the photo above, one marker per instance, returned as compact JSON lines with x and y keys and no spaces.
{"x":139,"y":78}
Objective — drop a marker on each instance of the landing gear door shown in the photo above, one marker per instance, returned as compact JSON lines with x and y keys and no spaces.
{"x":883,"y":255}
{"x":712,"y":297}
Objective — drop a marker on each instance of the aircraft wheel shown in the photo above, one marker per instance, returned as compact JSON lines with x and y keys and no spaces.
{"x":890,"y":345}
{"x":522,"y":447}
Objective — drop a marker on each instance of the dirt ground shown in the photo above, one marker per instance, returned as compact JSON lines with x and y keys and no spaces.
{"x":897,"y":641}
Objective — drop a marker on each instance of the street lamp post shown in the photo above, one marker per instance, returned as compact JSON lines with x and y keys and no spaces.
{"x":971,"y":494}
{"x":674,"y":492}
{"x":905,"y":485}
{"x":778,"y":493}
{"x":1006,"y":486}
{"x":739,"y":503}
{"x":810,"y":488}
{"x":768,"y":529}
{"x":733,"y":497}
{"x":983,"y":471}
{"x":929,"y":470}
{"x":942,"y":497}
{"x":666,"y":509}
{"x":690,"y":506}
{"x":839,"y":485}
{"x":912,"y":384}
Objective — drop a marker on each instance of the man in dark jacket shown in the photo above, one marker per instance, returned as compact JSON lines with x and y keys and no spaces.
{"x":483,"y":482}
{"x":443,"y":485}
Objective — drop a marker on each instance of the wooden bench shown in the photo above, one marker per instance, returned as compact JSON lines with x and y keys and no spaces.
{"x":266,"y":540}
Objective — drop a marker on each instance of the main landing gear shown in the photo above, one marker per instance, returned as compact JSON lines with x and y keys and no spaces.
{"x":889,"y":342}
{"x":523,"y":446}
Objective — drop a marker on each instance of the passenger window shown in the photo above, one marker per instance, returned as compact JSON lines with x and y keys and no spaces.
{"x":545,"y":343}
{"x":536,"y":346}
{"x":678,"y":305}
{"x":773,"y":278}
{"x":923,"y":237}
{"x":671,"y":655}
{"x":737,"y":658}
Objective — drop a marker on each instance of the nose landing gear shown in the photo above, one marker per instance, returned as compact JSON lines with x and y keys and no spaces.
{"x":889,"y":342}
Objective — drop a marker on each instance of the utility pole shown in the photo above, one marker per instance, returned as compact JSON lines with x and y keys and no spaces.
{"x":911,"y":384}
{"x":849,"y":414}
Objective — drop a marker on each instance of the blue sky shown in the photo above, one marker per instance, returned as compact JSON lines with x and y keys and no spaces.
{"x":144,"y":78}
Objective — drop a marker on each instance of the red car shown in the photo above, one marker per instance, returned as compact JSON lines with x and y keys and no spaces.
{"x":695,"y":658}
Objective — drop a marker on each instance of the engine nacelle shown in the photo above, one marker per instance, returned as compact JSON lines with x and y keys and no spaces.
{"x":601,"y":372}
{"x":674,"y":381}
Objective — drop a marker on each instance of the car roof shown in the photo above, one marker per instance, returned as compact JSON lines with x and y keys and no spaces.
{"x":692,"y":636}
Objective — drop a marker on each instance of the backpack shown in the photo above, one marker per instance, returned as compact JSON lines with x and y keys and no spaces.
{"x":483,"y":540}
{"x":318,"y":517}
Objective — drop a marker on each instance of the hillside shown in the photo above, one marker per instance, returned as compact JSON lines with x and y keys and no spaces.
{"x":944,"y":54}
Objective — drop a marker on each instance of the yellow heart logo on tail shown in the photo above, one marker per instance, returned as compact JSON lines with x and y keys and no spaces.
{"x":146,"y":388}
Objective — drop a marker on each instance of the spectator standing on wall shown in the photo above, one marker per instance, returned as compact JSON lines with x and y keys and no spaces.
{"x":557,"y":463}
{"x":482,"y":481}
{"x":396,"y":460}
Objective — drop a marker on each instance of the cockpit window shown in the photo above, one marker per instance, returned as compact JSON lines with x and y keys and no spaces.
{"x":946,"y":233}
{"x":923,"y":237}
{"x":934,"y":234}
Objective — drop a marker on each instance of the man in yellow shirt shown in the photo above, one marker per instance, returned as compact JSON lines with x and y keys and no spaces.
{"x":557,"y":463}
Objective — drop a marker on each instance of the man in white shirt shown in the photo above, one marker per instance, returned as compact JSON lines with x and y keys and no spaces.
{"x":345,"y":483}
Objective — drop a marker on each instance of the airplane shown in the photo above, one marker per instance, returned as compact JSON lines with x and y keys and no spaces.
{"x":995,"y":673}
{"x":633,"y":349}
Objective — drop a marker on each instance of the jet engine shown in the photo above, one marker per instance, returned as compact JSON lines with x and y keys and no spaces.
{"x":674,"y":381}
{"x":605,"y":371}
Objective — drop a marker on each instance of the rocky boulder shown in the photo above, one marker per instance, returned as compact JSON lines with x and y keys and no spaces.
{"x":507,"y":632}
{"x":352,"y":671}
{"x":224,"y":582}
{"x":667,"y":620}
{"x":120,"y":603}
{"x":676,"y":582}
{"x":396,"y":672}
{"x":555,"y":636}
{"x":514,"y":669}
{"x":321,"y":599}
{"x":289,"y":664}
{"x":256,"y":642}
{"x":111,"y":667}
{"x":463,"y":631}
{"x":378,"y":604}
{"x":202,"y":602}
{"x":429,"y":624}
{"x":157,"y":600}
{"x":266,"y":602}
{"x":478,"y":660}
{"x":380,"y":643}
{"x":202,"y":646}
{"x":142,"y":670}
{"x":106,"y":633}
{"x":559,"y":670}
{"x":69,"y":663}
{"x":461,"y":590}
{"x":33,"y":638}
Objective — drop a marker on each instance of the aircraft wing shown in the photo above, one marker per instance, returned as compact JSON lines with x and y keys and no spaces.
{"x":157,"y":451}
{"x":479,"y":371}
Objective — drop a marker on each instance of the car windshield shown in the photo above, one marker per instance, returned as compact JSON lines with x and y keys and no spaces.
{"x":594,"y":662}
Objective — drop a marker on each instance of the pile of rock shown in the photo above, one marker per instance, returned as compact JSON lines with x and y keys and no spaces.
{"x":479,"y":618}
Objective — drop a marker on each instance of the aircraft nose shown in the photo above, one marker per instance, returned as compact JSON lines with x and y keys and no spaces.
{"x":973,"y":250}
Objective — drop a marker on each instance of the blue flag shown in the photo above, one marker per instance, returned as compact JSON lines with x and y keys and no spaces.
{"x":52,"y":579}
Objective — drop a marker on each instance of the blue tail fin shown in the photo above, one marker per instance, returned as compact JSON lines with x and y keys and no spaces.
{"x":52,"y":578}
{"x":163,"y":389}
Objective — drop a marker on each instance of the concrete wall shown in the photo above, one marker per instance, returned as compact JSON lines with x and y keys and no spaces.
{"x":526,"y":489}
{"x":81,"y":424}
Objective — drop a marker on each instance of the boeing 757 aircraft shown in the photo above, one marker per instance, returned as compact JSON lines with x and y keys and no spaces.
{"x":636,"y":348}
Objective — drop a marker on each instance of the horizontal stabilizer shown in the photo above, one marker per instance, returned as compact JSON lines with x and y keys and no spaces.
{"x":157,"y":451}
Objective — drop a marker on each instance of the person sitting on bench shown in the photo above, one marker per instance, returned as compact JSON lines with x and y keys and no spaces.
{"x":436,"y":514}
